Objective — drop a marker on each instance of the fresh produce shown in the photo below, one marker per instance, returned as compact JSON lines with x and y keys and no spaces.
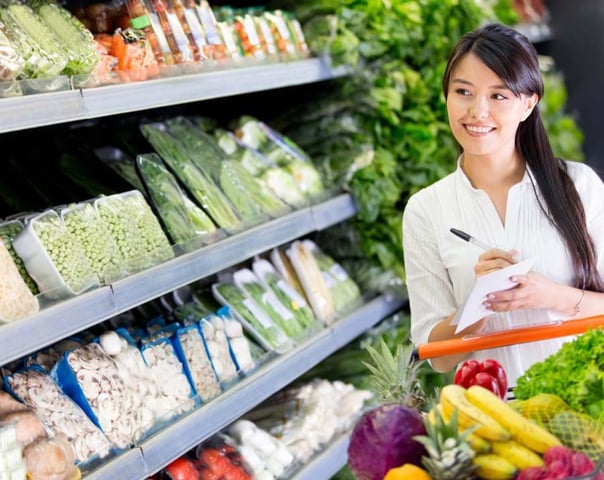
{"x":453,"y":398}
{"x":8,"y":231}
{"x":408,"y":471}
{"x":449,"y":454}
{"x":86,"y":226}
{"x":200,"y":184}
{"x":560,"y":462}
{"x":77,"y":41}
{"x":519,"y":455}
{"x":183,"y":219}
{"x":182,"y":469}
{"x":488,"y":374}
{"x":44,"y":56}
{"x":584,"y":389}
{"x":11,"y":62}
{"x":383,"y":438}
{"x":520,"y":428}
{"x":217,"y":459}
{"x":493,"y":466}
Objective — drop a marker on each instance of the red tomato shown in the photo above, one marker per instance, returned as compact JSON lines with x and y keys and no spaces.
{"x":182,"y":469}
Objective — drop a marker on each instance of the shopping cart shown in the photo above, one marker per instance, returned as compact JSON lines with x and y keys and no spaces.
{"x":514,"y":336}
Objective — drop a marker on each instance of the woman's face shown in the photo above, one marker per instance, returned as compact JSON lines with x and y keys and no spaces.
{"x":483,"y":114}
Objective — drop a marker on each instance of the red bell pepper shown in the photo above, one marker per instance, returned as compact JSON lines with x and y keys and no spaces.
{"x":488,"y":374}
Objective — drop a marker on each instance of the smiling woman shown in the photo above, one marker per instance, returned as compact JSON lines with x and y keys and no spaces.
{"x":511,"y":192}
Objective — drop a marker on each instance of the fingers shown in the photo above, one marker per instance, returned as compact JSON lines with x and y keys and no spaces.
{"x":494,"y":259}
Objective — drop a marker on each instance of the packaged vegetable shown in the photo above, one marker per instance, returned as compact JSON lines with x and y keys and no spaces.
{"x":284,"y":266}
{"x":181,"y":48}
{"x":268,"y":301}
{"x":44,"y":56}
{"x":53,"y":256}
{"x":239,"y":344}
{"x":287,"y":295}
{"x":197,"y":182}
{"x":50,"y":458}
{"x":59,"y":413}
{"x":312,"y":281}
{"x":184,"y":220}
{"x":251,"y":315}
{"x":213,"y":331}
{"x":86,"y":226}
{"x":193,"y":353}
{"x":11,"y":62}
{"x":134,"y":55}
{"x":8,"y":231}
{"x":140,"y":19}
{"x":76,"y":41}
{"x":208,"y":22}
{"x":122,"y":164}
{"x":16,"y":300}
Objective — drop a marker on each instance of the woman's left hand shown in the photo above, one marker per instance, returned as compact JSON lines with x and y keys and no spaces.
{"x":533,"y":291}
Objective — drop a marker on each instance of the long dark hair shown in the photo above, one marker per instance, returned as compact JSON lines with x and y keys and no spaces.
{"x":514,"y":59}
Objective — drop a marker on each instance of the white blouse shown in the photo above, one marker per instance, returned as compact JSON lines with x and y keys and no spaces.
{"x":439,"y":266}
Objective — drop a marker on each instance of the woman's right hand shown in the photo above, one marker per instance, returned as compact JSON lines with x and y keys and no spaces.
{"x":494,"y":259}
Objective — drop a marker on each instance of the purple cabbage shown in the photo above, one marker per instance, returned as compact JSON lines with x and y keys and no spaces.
{"x":383,"y":439}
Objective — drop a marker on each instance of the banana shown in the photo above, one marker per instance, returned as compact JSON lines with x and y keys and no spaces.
{"x":477,"y":443}
{"x":494,"y":467}
{"x":453,"y":397}
{"x":522,"y":429}
{"x":517,"y":454}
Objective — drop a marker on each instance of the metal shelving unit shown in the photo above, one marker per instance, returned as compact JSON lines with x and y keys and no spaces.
{"x":327,"y":463}
{"x":21,"y":113}
{"x":191,"y":429}
{"x":71,"y":316}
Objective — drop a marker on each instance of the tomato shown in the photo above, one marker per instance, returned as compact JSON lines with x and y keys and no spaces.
{"x":182,"y":469}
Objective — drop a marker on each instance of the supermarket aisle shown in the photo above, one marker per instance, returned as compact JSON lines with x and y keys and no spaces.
{"x":578,"y":49}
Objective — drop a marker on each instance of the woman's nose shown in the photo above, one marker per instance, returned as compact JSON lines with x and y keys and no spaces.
{"x":479,"y":108}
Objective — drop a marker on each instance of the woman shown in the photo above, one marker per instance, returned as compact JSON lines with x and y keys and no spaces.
{"x":508,"y":191}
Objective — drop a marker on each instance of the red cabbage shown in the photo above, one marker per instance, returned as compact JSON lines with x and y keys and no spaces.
{"x":383,"y":439}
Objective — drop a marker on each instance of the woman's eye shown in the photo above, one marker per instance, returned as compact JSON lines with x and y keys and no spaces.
{"x":499,"y":96}
{"x":462,"y":91}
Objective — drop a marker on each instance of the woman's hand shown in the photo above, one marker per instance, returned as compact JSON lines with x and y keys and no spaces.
{"x":494,"y":259}
{"x":533,"y":291}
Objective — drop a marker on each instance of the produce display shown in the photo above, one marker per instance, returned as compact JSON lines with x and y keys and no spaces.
{"x":16,"y":299}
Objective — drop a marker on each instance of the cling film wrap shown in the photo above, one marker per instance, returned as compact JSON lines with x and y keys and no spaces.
{"x":287,"y":295}
{"x":280,"y":314}
{"x":193,"y":353}
{"x":11,"y":61}
{"x":199,"y":183}
{"x":241,"y":350}
{"x":54,"y":257}
{"x":77,"y":41}
{"x":8,"y":231}
{"x":183,"y":219}
{"x":344,"y":290}
{"x":86,"y":225}
{"x":312,"y":281}
{"x":253,"y":317}
{"x":37,"y":389}
{"x":168,"y":372}
{"x":44,"y":57}
{"x":213,"y":331}
{"x":91,"y":378}
{"x":16,"y":299}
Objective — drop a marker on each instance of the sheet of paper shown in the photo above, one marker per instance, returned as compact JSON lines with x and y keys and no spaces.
{"x":473,"y":309}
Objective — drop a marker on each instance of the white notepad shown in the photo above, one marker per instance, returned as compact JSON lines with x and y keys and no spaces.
{"x":473,"y":309}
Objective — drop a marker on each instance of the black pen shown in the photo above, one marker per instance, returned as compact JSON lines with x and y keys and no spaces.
{"x":469,"y":238}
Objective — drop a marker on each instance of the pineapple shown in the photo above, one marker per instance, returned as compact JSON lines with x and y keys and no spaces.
{"x":395,"y":377}
{"x":450,"y":456}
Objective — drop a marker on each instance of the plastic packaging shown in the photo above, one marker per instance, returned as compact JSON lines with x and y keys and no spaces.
{"x":8,"y":231}
{"x":85,"y":224}
{"x":59,"y":412}
{"x":207,"y":18}
{"x":217,"y":344}
{"x":50,"y":458}
{"x":239,"y":344}
{"x":252,"y":317}
{"x":11,"y":62}
{"x":176,"y":391}
{"x":184,"y":220}
{"x":312,"y":280}
{"x":16,"y":300}
{"x":53,"y":257}
{"x":193,"y":353}
{"x":11,"y":456}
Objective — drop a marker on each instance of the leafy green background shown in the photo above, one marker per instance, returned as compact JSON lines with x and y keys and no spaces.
{"x":382,"y":130}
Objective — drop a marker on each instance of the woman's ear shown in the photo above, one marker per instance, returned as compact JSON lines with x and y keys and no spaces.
{"x":531,"y":102}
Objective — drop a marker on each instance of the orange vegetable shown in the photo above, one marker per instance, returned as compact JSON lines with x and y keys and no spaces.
{"x":407,"y":471}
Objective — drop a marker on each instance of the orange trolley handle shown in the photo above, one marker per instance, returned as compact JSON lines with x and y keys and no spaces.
{"x":470,"y":343}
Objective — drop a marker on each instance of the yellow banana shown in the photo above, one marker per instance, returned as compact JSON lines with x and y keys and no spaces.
{"x":517,"y":454}
{"x":523,"y":430}
{"x":494,"y":467}
{"x":453,"y":397}
{"x":477,"y":443}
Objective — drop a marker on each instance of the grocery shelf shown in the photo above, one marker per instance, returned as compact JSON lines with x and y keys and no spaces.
{"x":129,"y":465}
{"x":29,"y":111}
{"x":277,"y":372}
{"x":327,"y":463}
{"x":70,"y":316}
